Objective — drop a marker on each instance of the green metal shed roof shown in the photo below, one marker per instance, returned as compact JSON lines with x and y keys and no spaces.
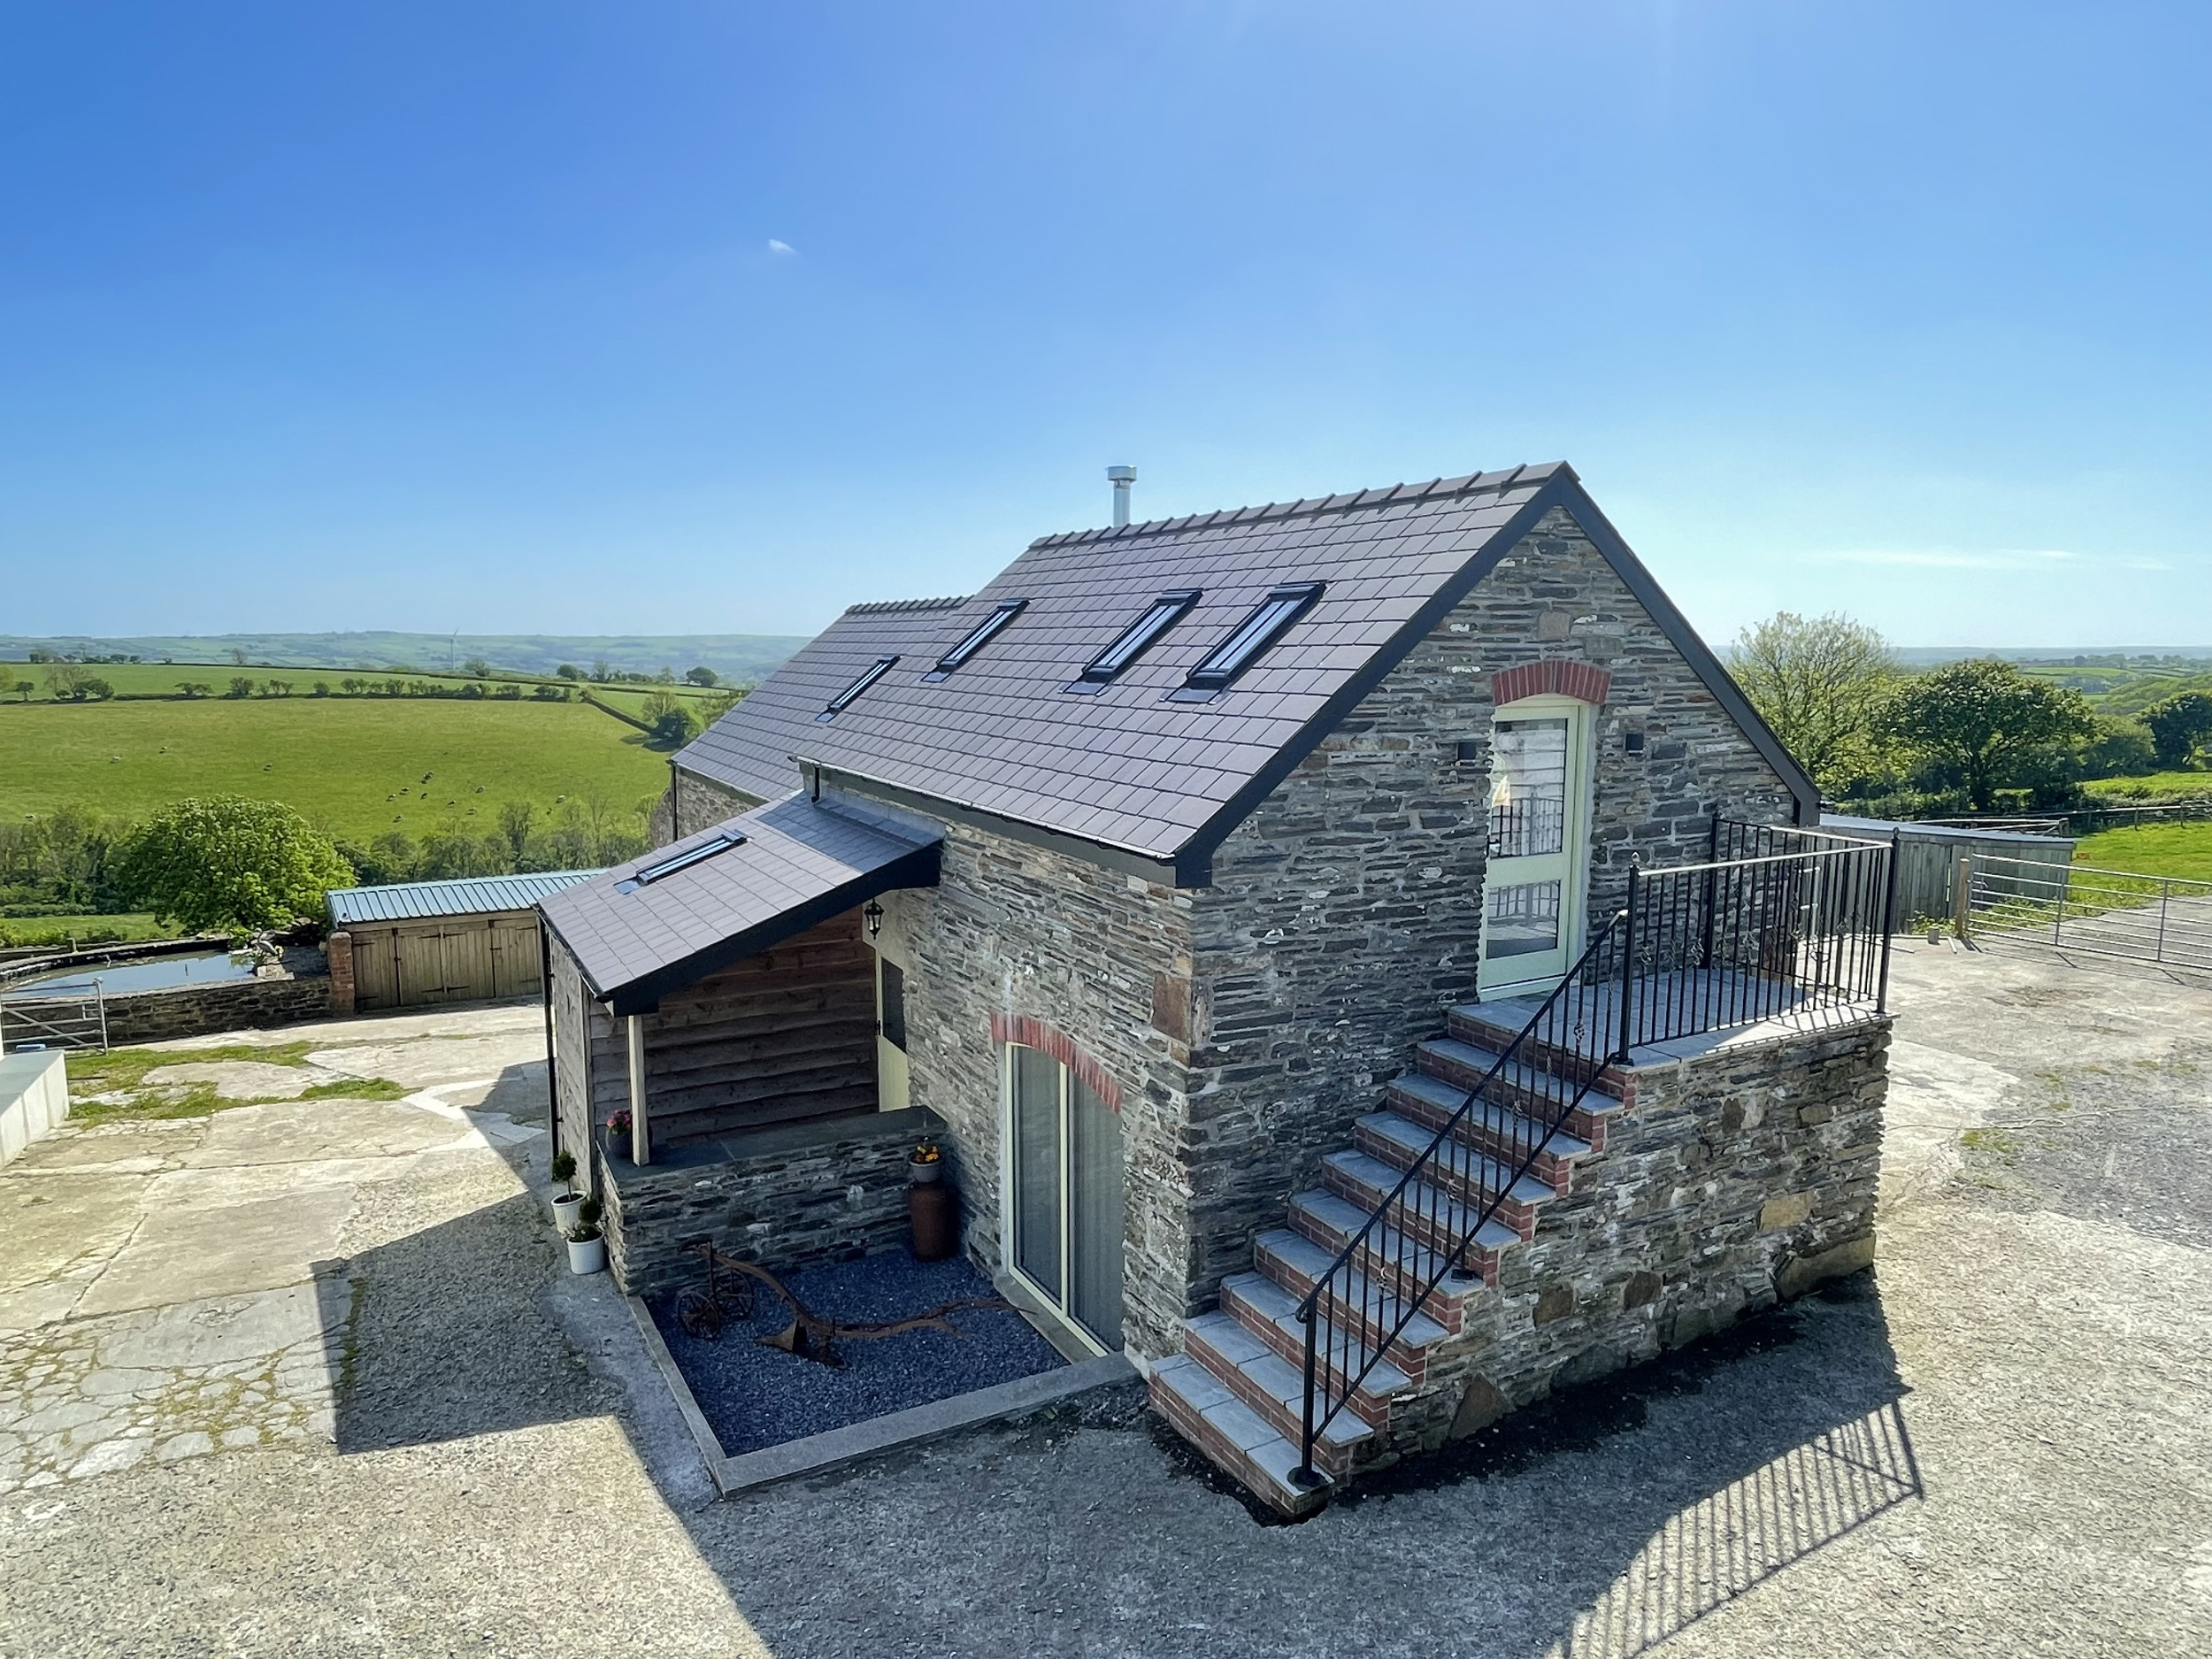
{"x":468,"y":895}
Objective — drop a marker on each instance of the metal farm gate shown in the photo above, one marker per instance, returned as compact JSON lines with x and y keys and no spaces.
{"x":2163,"y":921}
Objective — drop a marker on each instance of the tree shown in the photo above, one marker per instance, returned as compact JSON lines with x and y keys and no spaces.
{"x":600,"y":671}
{"x":477,"y":667}
{"x":67,"y":681}
{"x":224,"y":862}
{"x":195,"y":688}
{"x":241,"y":686}
{"x":1986,"y":717}
{"x":703,"y":676}
{"x":569,"y":670}
{"x":516,"y":819}
{"x":2120,"y":748}
{"x":1820,"y":684}
{"x":668,"y":723}
{"x":23,"y":688}
{"x":2180,"y":727}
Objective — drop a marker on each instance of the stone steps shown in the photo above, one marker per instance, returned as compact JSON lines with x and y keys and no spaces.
{"x":1485,"y":1028}
{"x":1237,"y":1440}
{"x":1468,"y":1175}
{"x":1388,"y":1254}
{"x":1495,"y":1129}
{"x":1427,"y":1213}
{"x":1238,"y":1389}
{"x":1351,"y":1301}
{"x":1271,"y":1385}
{"x":1271,"y":1313}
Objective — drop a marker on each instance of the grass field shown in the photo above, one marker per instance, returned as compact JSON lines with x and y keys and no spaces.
{"x":2157,"y":786}
{"x":336,"y":759}
{"x":167,"y":679}
{"x":61,"y":930}
{"x":2151,"y":849}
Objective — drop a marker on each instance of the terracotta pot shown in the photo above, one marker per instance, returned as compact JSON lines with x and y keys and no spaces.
{"x":934,"y":1217}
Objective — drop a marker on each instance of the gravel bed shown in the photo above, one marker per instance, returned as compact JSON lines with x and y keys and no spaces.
{"x":757,"y":1396}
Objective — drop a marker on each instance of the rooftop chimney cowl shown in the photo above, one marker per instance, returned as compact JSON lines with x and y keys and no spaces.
{"x":1121,"y":478}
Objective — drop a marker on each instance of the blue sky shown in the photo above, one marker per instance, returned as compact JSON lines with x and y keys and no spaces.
{"x":719,"y":317}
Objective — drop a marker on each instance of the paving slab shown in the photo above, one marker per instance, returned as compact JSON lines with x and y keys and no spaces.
{"x":186,"y":1253}
{"x":310,"y":1131}
{"x":242,"y":1080}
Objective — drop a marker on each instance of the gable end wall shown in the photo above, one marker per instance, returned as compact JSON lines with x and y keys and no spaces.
{"x":1344,"y":916}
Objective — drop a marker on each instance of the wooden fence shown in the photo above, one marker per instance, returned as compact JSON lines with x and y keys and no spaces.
{"x":1929,"y":857}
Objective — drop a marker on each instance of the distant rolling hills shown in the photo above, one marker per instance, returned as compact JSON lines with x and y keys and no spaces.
{"x":746,"y":659}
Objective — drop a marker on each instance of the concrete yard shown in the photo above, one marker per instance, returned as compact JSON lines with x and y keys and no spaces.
{"x":304,"y":1378}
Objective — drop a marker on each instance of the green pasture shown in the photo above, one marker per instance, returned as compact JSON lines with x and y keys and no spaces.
{"x":61,"y":931}
{"x":2151,"y":849}
{"x":355,"y":765}
{"x":2156,"y":785}
{"x":168,"y":679}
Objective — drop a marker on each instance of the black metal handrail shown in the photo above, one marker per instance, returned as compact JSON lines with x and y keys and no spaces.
{"x":1384,"y":1301}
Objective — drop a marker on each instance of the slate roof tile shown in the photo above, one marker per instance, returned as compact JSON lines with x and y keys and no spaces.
{"x":1122,"y":764}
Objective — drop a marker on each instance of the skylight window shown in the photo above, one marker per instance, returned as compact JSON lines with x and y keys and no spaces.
{"x":869,"y":675}
{"x":1268,"y":622}
{"x":1134,"y":641}
{"x":976,"y":639}
{"x":645,"y":875}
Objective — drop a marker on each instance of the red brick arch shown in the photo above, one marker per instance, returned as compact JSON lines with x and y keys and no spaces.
{"x":1552,"y":678}
{"x":1032,"y":1033}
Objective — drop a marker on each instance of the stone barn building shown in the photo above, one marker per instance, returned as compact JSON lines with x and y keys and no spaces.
{"x":1363,"y":959}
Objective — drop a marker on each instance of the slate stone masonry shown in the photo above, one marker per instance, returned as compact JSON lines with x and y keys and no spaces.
{"x":789,"y":1197}
{"x":1346,"y":913}
{"x":1734,"y":1179}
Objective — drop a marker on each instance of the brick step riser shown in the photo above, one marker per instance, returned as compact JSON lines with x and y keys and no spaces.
{"x":1440,"y":1305}
{"x":1545,"y":1057}
{"x":1581,"y":1123}
{"x":1343,"y":1314}
{"x":1216,"y":1450}
{"x":1373,"y":1408}
{"x":1516,"y":1213}
{"x":1549,"y":1168}
{"x":1330,"y":1459}
{"x":1412,"y":1223}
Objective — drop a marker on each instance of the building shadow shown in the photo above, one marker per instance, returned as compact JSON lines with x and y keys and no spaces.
{"x":1601,"y":1523}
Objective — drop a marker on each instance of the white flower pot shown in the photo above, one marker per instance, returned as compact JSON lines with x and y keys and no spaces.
{"x":564,"y":1209}
{"x":590,"y":1257}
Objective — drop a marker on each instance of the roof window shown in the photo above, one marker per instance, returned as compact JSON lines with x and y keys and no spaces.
{"x":645,"y":875}
{"x":1269,"y":620}
{"x":976,"y":639}
{"x":869,"y":675}
{"x":1134,"y":641}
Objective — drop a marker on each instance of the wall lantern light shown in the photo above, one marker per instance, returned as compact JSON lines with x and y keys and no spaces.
{"x":873,"y":916}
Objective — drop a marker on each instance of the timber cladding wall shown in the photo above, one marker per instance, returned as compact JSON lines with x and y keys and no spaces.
{"x":785,"y":1035}
{"x":448,"y":959}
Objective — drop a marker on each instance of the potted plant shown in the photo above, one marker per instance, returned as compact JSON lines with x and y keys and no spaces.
{"x":565,"y":1206}
{"x":618,"y":1133}
{"x":924,"y":1164}
{"x":587,"y":1246}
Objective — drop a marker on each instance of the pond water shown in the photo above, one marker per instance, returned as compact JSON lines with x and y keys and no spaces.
{"x":153,"y":973}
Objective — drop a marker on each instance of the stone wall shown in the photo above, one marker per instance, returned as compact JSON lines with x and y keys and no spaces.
{"x":193,"y":1011}
{"x":1735,"y":1179}
{"x":691,"y":803}
{"x":789,"y":1197}
{"x":1017,"y":930}
{"x":1346,"y":913}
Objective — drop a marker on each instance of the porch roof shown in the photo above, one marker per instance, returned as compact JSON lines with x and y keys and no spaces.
{"x":797,"y":863}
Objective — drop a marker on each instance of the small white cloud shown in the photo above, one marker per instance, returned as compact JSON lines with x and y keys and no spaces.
{"x":776,"y":247}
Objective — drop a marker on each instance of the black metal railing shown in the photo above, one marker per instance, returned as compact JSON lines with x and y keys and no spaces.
{"x":1778,"y":923}
{"x":1421,"y":1232}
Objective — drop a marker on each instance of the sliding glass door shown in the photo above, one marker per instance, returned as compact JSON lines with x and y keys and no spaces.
{"x":1065,"y":1169}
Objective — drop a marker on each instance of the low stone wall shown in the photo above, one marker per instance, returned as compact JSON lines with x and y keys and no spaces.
{"x":791,"y":1196}
{"x":1735,"y":1179}
{"x":192,"y":1010}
